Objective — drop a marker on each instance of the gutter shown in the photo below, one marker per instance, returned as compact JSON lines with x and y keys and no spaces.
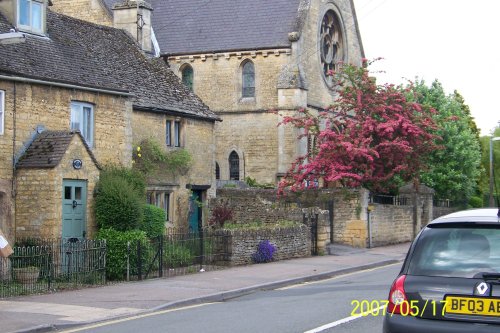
{"x":176,"y":112}
{"x":64,"y":85}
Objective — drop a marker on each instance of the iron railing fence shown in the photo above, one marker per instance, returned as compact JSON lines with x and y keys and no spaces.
{"x":43,"y":265}
{"x":394,"y":200}
{"x":179,"y":252}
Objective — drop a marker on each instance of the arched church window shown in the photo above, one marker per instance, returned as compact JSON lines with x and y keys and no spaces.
{"x":331,"y":46}
{"x":234,"y":166}
{"x":248,"y":79}
{"x":217,"y":171}
{"x":187,"y":76}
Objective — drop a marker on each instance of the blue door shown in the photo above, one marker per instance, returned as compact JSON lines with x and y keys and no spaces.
{"x":74,"y":208}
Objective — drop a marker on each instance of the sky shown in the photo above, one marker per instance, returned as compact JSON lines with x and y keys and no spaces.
{"x":453,"y":41}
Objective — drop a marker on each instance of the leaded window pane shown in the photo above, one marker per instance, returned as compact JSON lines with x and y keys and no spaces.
{"x":36,"y":16}
{"x":169,"y":133}
{"x":82,"y":119}
{"x":234,"y":166}
{"x":24,"y":12}
{"x":248,"y":80}
{"x":177,"y":134}
{"x":187,"y":77}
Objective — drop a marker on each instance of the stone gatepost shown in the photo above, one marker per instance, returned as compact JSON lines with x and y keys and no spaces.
{"x":421,"y":198}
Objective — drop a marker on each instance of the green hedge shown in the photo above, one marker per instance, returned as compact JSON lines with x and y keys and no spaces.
{"x":153,"y":222}
{"x":117,"y":251}
{"x":118,"y":201}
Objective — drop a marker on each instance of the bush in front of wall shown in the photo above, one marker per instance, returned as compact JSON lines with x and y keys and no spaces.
{"x":153,"y":221}
{"x":221,"y":214}
{"x":119,"y":199}
{"x":118,"y":251}
{"x":265,"y":252}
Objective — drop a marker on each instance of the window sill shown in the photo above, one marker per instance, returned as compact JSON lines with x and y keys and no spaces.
{"x":247,"y":100}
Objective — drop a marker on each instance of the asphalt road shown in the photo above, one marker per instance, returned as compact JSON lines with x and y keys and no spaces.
{"x":324,"y":306}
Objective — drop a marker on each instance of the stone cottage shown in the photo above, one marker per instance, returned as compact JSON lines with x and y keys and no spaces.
{"x":76,"y":96}
{"x":244,"y":58}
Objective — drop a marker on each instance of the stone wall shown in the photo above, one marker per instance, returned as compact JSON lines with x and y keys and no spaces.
{"x":440,"y":211}
{"x":290,"y":242}
{"x":197,"y":138}
{"x":28,"y":106}
{"x":389,"y":224}
{"x":88,"y":10}
{"x":308,"y":55}
{"x":40,"y":194}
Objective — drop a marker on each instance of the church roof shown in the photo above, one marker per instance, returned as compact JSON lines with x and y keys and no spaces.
{"x":83,"y":54}
{"x":48,"y":149}
{"x":205,"y":26}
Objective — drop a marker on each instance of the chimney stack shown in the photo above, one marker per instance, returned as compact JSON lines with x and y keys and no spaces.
{"x":135,"y":17}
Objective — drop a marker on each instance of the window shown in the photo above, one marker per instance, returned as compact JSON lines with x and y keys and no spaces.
{"x":2,"y":110}
{"x":82,"y":119}
{"x":248,"y":80}
{"x":160,"y":199}
{"x":30,"y":15}
{"x":176,"y":140}
{"x":187,"y":77}
{"x":234,"y":166}
{"x":168,"y":133}
{"x":177,"y":134}
{"x":217,"y":171}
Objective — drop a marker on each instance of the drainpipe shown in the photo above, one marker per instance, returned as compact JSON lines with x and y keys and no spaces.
{"x":368,"y":211}
{"x":13,"y":182}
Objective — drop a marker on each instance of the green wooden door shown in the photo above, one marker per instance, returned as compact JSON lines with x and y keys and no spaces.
{"x":74,"y":208}
{"x":194,"y":211}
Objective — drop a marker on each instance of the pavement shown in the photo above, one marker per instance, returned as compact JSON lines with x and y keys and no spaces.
{"x":63,"y":310}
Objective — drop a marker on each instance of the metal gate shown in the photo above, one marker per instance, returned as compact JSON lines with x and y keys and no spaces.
{"x":311,"y":220}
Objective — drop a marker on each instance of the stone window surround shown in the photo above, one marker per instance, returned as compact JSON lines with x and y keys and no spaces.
{"x":173,"y":132}
{"x":31,"y":28}
{"x":88,"y":134}
{"x":331,"y":7}
{"x":239,"y":84}
{"x":161,"y":199}
{"x":2,"y":111}
{"x":247,"y":78}
{"x":183,"y":74}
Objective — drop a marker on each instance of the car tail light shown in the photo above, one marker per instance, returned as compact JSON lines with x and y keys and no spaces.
{"x":398,"y":302}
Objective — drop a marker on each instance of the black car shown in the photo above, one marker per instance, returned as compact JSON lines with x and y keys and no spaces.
{"x":450,"y":280}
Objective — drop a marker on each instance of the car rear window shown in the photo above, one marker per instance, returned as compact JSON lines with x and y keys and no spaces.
{"x":456,"y":251}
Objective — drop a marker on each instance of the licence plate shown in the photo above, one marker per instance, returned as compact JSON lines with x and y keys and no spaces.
{"x":481,"y":306}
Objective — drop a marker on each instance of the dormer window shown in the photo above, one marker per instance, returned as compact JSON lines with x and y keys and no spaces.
{"x":31,"y":15}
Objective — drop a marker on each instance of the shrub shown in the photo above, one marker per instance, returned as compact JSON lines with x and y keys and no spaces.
{"x":476,"y":202}
{"x":177,"y":255}
{"x":265,"y":252}
{"x":119,"y":200}
{"x":153,"y":222}
{"x":117,"y":251}
{"x":220,"y":215}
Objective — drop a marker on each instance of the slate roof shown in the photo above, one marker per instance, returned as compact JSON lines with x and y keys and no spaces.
{"x":84,"y":54}
{"x":204,"y":26}
{"x":48,"y":148}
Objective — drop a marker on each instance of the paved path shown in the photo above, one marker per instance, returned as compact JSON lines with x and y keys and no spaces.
{"x":64,"y":309}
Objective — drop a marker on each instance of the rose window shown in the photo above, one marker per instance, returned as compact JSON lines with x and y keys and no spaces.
{"x":331,"y":45}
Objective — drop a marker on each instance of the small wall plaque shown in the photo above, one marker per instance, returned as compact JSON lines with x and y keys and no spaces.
{"x":77,"y":164}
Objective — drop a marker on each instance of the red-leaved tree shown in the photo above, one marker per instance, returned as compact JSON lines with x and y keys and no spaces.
{"x":371,"y":135}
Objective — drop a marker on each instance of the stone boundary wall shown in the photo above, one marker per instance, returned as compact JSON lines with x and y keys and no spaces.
{"x":291,"y":242}
{"x":391,"y":224}
{"x":440,"y":211}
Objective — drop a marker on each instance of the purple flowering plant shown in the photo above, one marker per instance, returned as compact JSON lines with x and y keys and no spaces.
{"x":265,"y":252}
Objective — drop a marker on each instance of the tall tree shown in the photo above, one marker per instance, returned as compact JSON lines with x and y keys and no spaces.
{"x":368,"y":137}
{"x":454,"y":170}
